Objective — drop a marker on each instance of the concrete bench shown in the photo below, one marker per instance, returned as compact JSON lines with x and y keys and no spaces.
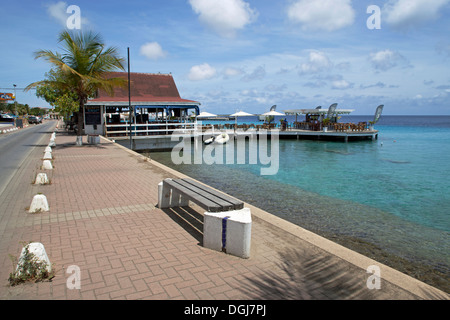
{"x":226,"y":225}
{"x":207,"y":198}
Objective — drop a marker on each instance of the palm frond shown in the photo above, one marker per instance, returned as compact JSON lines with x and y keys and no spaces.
{"x":84,"y":61}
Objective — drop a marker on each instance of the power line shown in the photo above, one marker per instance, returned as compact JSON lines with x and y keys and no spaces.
{"x":16,"y":88}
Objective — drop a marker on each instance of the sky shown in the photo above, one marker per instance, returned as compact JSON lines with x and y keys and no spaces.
{"x":248,"y":55}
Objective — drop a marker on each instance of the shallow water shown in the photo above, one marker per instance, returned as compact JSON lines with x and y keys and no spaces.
{"x":387,"y":197}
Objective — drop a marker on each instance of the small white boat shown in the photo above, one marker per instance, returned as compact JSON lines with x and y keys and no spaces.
{"x":210,"y":140}
{"x":220,"y":139}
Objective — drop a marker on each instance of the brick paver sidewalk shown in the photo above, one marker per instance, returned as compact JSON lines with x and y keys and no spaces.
{"x":103,"y":219}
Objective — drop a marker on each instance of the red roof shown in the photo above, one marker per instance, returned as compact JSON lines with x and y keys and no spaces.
{"x":145,"y":87}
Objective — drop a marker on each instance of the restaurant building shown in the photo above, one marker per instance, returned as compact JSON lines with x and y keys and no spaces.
{"x":156,"y":106}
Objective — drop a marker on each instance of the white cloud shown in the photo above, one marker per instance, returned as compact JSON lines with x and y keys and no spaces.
{"x":58,"y":11}
{"x":276,"y":88}
{"x":327,"y":15}
{"x":231,"y":72}
{"x":387,"y":59}
{"x":341,"y":85}
{"x":224,"y":16}
{"x":379,"y":84}
{"x":315,"y":84}
{"x":406,"y":13}
{"x":317,"y":61}
{"x":201,"y":72}
{"x":152,"y":50}
{"x":258,"y":74}
{"x":250,"y":93}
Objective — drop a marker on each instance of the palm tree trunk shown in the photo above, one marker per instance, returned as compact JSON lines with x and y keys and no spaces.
{"x":80,"y":125}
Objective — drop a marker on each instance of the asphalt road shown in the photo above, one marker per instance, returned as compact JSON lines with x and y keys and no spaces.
{"x":17,"y":145}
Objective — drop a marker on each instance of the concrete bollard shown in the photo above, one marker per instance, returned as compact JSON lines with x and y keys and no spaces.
{"x":48,"y":149}
{"x":39,"y":204}
{"x":93,"y":139}
{"x":47,"y":165}
{"x":38,"y":250}
{"x":41,"y":178}
{"x":163,"y":196}
{"x":52,"y":143}
{"x":47,"y":156}
{"x":228,"y":231}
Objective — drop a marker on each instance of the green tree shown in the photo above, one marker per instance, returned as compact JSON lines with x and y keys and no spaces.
{"x":22,"y":109}
{"x":36,"y":111}
{"x":81,"y":68}
{"x":65,"y":105}
{"x":51,"y":93}
{"x":3,"y":106}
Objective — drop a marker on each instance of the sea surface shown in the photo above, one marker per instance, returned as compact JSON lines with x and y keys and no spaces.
{"x":388,"y":199}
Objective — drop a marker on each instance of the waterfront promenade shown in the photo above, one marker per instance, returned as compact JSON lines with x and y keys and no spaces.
{"x":104,"y":220}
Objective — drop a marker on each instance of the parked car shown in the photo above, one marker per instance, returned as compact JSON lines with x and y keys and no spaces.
{"x":6,"y":118}
{"x":34,"y":119}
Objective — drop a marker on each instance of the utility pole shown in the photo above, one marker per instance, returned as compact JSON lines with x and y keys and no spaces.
{"x":129,"y":101}
{"x":15,"y":100}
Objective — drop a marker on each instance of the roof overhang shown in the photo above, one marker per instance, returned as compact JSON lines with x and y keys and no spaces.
{"x":142,"y":103}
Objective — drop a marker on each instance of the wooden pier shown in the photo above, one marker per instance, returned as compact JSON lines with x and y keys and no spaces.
{"x":167,"y":138}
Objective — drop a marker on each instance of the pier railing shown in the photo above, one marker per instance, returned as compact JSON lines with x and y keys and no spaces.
{"x":162,"y":128}
{"x":148,"y":129}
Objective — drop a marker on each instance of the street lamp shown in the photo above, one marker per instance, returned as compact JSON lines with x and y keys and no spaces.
{"x":15,"y":101}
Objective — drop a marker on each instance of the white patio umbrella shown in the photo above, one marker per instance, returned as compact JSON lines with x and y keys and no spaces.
{"x":205,"y":114}
{"x":273,"y":113}
{"x":240,"y":114}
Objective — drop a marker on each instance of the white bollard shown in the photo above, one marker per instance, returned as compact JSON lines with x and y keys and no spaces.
{"x":47,"y":156}
{"x":41,"y":178}
{"x":47,"y":165}
{"x":38,"y":250}
{"x":48,"y":149}
{"x":52,"y":143}
{"x":163,"y":196}
{"x":39,"y":204}
{"x":94,"y":139}
{"x":228,"y":231}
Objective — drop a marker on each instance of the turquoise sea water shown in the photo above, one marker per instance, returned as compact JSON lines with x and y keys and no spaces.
{"x":392,"y":193}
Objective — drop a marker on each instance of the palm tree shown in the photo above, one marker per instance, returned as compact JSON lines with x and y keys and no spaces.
{"x":82,"y":67}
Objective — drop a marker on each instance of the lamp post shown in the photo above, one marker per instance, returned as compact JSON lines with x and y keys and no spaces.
{"x":15,"y":100}
{"x":129,"y":100}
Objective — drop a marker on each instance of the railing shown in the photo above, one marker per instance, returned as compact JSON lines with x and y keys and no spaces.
{"x":148,"y":129}
{"x":338,"y":127}
{"x":153,"y":129}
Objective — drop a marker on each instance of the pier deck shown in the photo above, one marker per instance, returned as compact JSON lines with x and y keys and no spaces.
{"x":165,"y":141}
